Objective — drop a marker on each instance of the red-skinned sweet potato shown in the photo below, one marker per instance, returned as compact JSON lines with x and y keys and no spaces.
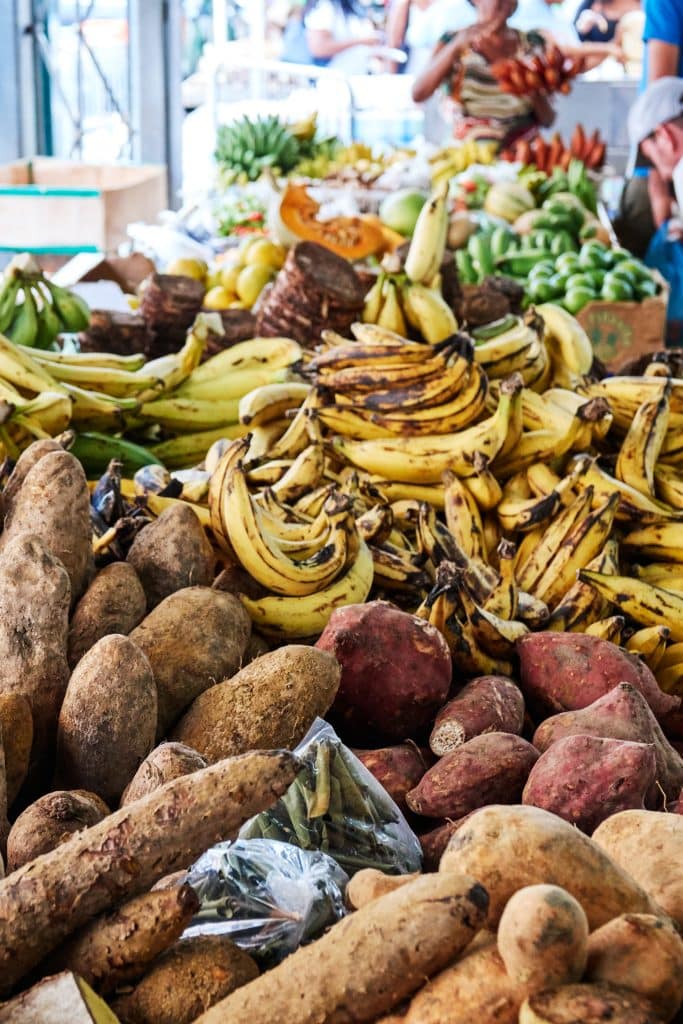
{"x":486,"y":704}
{"x":567,"y":671}
{"x":396,"y":670}
{"x":435,"y":842}
{"x":585,"y":779}
{"x":622,"y":714}
{"x":398,"y":769}
{"x":490,"y":769}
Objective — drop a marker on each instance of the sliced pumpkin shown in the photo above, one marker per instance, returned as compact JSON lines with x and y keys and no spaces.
{"x":351,"y":237}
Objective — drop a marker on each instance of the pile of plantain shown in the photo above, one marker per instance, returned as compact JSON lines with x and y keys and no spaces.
{"x":493,"y":487}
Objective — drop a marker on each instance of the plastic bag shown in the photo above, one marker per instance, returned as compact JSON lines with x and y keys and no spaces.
{"x":336,"y":805}
{"x":269,"y":897}
{"x":665,"y":254}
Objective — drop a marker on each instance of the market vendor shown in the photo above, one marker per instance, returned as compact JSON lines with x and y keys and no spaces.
{"x":461,"y":65}
{"x":655,"y":126}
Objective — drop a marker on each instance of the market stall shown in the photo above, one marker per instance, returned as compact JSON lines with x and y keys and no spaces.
{"x":341,"y":579}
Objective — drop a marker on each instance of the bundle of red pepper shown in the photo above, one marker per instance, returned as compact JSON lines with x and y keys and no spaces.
{"x":549,"y":71}
{"x":590,"y":149}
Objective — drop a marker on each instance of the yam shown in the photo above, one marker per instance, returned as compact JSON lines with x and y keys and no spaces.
{"x":395,"y":670}
{"x":53,"y":504}
{"x":34,"y":610}
{"x":567,"y":671}
{"x":186,"y":981}
{"x":49,"y":822}
{"x":399,"y":769}
{"x":585,"y":779}
{"x":367,"y":963}
{"x":166,"y":762}
{"x":649,"y":845}
{"x":270,"y":703}
{"x":369,"y":884}
{"x":4,"y":821}
{"x":587,"y":1004}
{"x":622,"y":714}
{"x":26,"y":461}
{"x":543,"y":937}
{"x":476,"y":988}
{"x":508,"y":848}
{"x":486,"y":704}
{"x":111,"y":687}
{"x":63,"y":997}
{"x":16,"y":725}
{"x":256,"y":646}
{"x":49,"y":898}
{"x":642,"y":953}
{"x":193,"y":640}
{"x":113,"y":603}
{"x":487,"y":769}
{"x":172,"y":553}
{"x":117,"y":947}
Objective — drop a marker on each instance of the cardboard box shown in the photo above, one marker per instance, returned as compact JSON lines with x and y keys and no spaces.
{"x":60,"y":206}
{"x":623,"y":331}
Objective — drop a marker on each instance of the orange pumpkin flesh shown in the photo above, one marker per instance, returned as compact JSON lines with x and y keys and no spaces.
{"x":351,"y":237}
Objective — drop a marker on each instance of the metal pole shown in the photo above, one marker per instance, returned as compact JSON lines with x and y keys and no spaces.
{"x":11,"y":136}
{"x":220,"y":22}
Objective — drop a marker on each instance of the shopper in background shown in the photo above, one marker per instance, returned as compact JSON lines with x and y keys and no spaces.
{"x":461,"y":64}
{"x":338,"y":34}
{"x":415,"y":26}
{"x":597,"y":21}
{"x":646,"y":199}
{"x":547,"y":17}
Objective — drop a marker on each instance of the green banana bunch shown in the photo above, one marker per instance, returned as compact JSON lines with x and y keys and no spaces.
{"x":24,"y":327}
{"x":70,"y":308}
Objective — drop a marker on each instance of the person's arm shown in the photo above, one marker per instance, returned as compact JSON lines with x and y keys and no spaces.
{"x":662,"y":59}
{"x":323,"y":45}
{"x":445,"y":56}
{"x":397,"y":23}
{"x":661,"y":200}
{"x":543,"y":109}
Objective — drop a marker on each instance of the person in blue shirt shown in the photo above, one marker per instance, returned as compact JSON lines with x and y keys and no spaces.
{"x":646,"y":201}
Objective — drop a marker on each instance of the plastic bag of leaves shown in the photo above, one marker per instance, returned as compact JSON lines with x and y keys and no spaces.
{"x":336,"y":805}
{"x":269,"y":897}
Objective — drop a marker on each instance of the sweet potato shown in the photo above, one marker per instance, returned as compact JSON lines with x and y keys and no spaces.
{"x":26,"y":461}
{"x":367,"y":963}
{"x":396,"y":670}
{"x":53,"y":504}
{"x":476,"y":988}
{"x":622,"y":714}
{"x":648,"y":845}
{"x":508,"y":848}
{"x":567,"y":671}
{"x":49,"y":898}
{"x":486,"y":704}
{"x":166,"y":762}
{"x":187,"y":980}
{"x":585,"y":779}
{"x":16,"y":725}
{"x":369,"y":884}
{"x":270,"y":703}
{"x":63,"y":997}
{"x":34,"y":609}
{"x":398,"y":769}
{"x":193,"y":640}
{"x":117,"y":947}
{"x":589,"y":1004}
{"x":50,"y":821}
{"x":172,"y":553}
{"x":543,"y":937}
{"x":111,"y":687}
{"x":642,"y":953}
{"x":488,"y":769}
{"x":434,"y":843}
{"x":113,"y":603}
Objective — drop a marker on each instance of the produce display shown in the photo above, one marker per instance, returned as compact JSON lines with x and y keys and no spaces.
{"x":548,"y":71}
{"x":546,"y":156}
{"x":342,"y":640}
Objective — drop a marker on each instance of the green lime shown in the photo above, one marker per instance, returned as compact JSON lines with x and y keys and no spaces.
{"x":542,"y":290}
{"x":617,"y":291}
{"x":568,"y":263}
{"x":594,"y":256}
{"x":577,"y":298}
{"x":635,"y":267}
{"x":584,"y":280}
{"x":559,"y":282}
{"x":647,"y":288}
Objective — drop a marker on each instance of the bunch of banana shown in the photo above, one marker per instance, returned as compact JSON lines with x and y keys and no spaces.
{"x":413,"y":298}
{"x":452,"y":160}
{"x":33,"y":310}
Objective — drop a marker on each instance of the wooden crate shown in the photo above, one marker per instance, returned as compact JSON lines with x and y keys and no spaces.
{"x":59,"y":206}
{"x":624,"y":331}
